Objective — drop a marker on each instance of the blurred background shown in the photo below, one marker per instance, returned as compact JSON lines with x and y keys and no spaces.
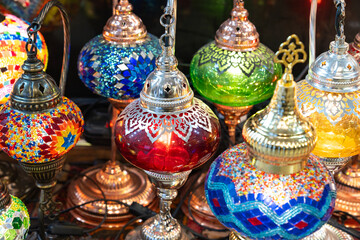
{"x":197,"y":23}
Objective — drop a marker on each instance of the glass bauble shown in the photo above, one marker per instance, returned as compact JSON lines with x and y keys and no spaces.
{"x":167,"y":142}
{"x":115,"y":70}
{"x":269,"y":206}
{"x":234,"y":78}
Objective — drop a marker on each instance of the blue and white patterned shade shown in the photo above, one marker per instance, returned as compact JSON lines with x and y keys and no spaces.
{"x":262,"y":205}
{"x":115,"y":70}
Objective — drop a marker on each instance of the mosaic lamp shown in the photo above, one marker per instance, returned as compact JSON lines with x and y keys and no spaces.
{"x":14,"y":217}
{"x":13,"y":38}
{"x":38,"y":124}
{"x":235,"y":71}
{"x":115,"y":65}
{"x":329,"y":98}
{"x":27,"y":9}
{"x":167,"y":133}
{"x":270,"y":187}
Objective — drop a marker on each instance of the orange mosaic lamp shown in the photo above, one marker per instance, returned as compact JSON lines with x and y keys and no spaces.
{"x":38,"y":124}
{"x":13,"y":37}
{"x":329,"y":98}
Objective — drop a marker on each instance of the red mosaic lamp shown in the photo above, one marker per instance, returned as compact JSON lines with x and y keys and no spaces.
{"x":167,"y":133}
{"x":38,"y":124}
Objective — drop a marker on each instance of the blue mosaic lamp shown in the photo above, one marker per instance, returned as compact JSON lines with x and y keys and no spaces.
{"x":116,"y":63}
{"x":270,"y":187}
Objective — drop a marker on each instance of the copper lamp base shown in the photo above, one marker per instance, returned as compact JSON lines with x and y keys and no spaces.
{"x":348,"y":185}
{"x":232,"y":117}
{"x":118,"y":183}
{"x":200,"y":209}
{"x":326,"y":232}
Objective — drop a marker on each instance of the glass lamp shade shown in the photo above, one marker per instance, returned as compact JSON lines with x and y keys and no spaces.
{"x":14,"y":220}
{"x":13,"y":37}
{"x":41,"y":136}
{"x":234,"y":78}
{"x":336,"y":117}
{"x":167,"y":142}
{"x":269,"y":206}
{"x":115,"y":70}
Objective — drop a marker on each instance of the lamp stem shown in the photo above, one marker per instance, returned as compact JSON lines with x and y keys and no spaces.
{"x":46,"y":206}
{"x":312,"y":31}
{"x":115,"y":113}
{"x":166,"y":197}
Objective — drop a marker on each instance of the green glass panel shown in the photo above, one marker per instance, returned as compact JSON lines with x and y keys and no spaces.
{"x":10,"y":234}
{"x":17,"y":223}
{"x":234,"y":78}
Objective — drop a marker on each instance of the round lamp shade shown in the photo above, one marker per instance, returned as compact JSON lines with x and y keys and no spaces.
{"x":42,"y":136}
{"x":13,"y":38}
{"x":14,"y":220}
{"x":234,"y":78}
{"x":115,"y":70}
{"x":167,"y":142}
{"x":269,"y":206}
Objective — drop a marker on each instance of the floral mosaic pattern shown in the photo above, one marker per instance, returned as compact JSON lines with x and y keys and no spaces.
{"x":40,"y":137}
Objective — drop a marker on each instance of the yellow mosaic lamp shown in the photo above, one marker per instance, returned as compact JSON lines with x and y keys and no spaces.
{"x":329,"y":98}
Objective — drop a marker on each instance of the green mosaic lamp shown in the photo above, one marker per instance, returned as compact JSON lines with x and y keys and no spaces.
{"x":14,"y":217}
{"x":235,"y":71}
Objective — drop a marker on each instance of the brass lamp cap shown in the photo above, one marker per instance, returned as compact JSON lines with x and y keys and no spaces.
{"x":237,"y":33}
{"x":35,"y":90}
{"x":278,"y":138}
{"x":5,"y":198}
{"x":124,"y":26}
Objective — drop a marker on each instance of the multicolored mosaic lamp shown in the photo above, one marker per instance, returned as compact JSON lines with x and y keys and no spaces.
{"x":27,"y":9}
{"x":14,"y":217}
{"x":271,"y":187}
{"x":167,"y":133}
{"x":38,"y":124}
{"x":13,"y":38}
{"x":235,"y":71}
{"x":329,"y":97}
{"x":115,"y":65}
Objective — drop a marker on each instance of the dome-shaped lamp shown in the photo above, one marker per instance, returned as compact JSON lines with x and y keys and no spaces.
{"x":329,"y":98}
{"x":14,"y":217}
{"x":13,"y":38}
{"x":167,"y":133}
{"x":271,"y":187}
{"x":348,"y":179}
{"x":115,"y":65}
{"x":38,"y":124}
{"x":235,"y":71}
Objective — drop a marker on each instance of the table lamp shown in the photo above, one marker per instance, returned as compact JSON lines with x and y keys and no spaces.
{"x":38,"y":124}
{"x":167,"y":133}
{"x":115,"y":65}
{"x":270,"y":187}
{"x":235,"y":71}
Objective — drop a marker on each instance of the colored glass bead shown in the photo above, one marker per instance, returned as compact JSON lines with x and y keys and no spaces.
{"x":265,"y":206}
{"x":40,"y":137}
{"x":13,"y":37}
{"x":234,"y":78}
{"x":115,"y":70}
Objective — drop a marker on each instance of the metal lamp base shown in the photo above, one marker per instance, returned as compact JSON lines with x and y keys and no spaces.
{"x":335,"y":164}
{"x":326,"y":232}
{"x":232,"y":117}
{"x":200,"y":209}
{"x":136,"y":235}
{"x":118,"y":183}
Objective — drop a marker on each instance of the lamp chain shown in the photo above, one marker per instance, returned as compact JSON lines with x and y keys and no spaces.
{"x":340,"y":18}
{"x":167,"y":20}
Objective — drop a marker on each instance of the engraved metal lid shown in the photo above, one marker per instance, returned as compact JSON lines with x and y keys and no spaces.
{"x":237,"y":33}
{"x":124,"y":26}
{"x":336,"y":70}
{"x":278,"y":138}
{"x":5,"y":198}
{"x":167,"y":89}
{"x":35,"y":90}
